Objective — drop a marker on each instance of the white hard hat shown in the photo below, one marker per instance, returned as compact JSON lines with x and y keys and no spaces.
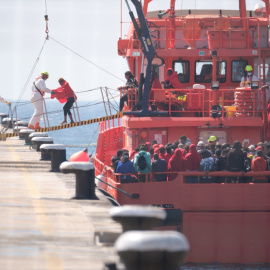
{"x":251,"y":147}
{"x":200,"y":143}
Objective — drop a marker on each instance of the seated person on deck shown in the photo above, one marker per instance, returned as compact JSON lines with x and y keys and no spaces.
{"x":172,"y":80}
{"x":206,"y":73}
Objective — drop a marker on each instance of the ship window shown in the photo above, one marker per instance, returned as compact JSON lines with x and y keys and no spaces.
{"x":238,"y":70}
{"x":204,"y":70}
{"x":182,"y":67}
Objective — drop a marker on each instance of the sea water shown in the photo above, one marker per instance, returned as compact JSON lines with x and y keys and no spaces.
{"x":77,"y":138}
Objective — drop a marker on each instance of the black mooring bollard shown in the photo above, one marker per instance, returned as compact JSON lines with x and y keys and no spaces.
{"x":57,"y":154}
{"x":85,"y":179}
{"x":137,"y":217}
{"x":8,"y":121}
{"x":21,"y":123}
{"x":23,"y":133}
{"x":45,"y":154}
{"x":152,"y":250}
{"x":28,"y":140}
{"x":18,"y":128}
{"x":3,"y":115}
{"x":38,"y":141}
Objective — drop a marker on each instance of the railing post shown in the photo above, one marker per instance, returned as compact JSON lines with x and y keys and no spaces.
{"x":46,"y":114}
{"x":254,"y":104}
{"x":170,"y":101}
{"x":109,"y":121}
{"x":11,"y":115}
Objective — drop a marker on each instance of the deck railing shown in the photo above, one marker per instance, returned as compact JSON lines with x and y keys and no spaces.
{"x":199,"y":103}
{"x":182,"y":176}
{"x":207,"y":32}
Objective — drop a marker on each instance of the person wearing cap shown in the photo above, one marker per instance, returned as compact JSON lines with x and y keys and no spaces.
{"x":4,"y":101}
{"x":260,"y":148}
{"x":38,"y":90}
{"x":200,"y":146}
{"x":248,"y":78}
{"x":251,"y":151}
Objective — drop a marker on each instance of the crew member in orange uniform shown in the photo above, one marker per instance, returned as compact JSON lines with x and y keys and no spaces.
{"x":65,"y":94}
{"x":172,"y":81}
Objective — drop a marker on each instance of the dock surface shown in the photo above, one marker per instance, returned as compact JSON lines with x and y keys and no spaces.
{"x":41,"y":227}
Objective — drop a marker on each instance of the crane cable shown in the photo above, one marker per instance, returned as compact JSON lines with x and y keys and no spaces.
{"x":35,"y":64}
{"x":38,"y":57}
{"x":31,"y":73}
{"x":87,"y":59}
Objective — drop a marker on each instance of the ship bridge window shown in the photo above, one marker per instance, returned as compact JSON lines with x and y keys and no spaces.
{"x":238,"y":70}
{"x":182,"y":68}
{"x":204,"y":71}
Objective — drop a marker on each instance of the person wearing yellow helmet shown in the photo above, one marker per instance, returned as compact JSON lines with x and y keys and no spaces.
{"x":212,"y":139}
{"x":248,"y":77}
{"x":248,"y":68}
{"x":38,"y":90}
{"x":45,"y":75}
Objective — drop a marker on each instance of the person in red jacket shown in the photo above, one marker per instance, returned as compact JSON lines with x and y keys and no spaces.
{"x":176,"y":164}
{"x":172,"y":81}
{"x":259,"y":164}
{"x":65,"y":94}
{"x":192,"y":163}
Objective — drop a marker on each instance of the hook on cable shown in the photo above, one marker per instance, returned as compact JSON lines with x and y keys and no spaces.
{"x":47,"y":26}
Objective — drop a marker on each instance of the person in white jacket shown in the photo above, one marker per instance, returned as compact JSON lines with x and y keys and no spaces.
{"x":38,"y":90}
{"x":4,"y":101}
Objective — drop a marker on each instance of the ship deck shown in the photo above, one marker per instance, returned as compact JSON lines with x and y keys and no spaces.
{"x":41,"y":227}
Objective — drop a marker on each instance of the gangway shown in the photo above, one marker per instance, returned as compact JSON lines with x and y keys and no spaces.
{"x":76,"y":124}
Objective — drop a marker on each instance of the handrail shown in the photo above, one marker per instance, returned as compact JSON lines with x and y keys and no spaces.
{"x":167,"y":98}
{"x":210,"y":24}
{"x":184,"y":174}
{"x":108,"y":172}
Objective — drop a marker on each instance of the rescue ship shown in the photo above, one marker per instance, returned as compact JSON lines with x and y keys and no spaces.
{"x":224,"y":222}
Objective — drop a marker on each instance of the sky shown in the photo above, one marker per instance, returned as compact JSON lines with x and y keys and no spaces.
{"x":89,"y":28}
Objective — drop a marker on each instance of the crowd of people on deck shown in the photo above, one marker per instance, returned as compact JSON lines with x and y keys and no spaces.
{"x":158,"y":162}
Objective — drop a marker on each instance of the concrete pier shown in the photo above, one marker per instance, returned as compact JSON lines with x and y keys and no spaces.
{"x":41,"y":228}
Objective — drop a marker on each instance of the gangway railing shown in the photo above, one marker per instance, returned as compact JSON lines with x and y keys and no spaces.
{"x":76,"y":124}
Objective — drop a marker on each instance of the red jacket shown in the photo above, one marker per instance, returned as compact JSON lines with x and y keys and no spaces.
{"x":63,"y":92}
{"x":193,"y":159}
{"x":259,"y":164}
{"x":173,"y":80}
{"x":176,"y":164}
